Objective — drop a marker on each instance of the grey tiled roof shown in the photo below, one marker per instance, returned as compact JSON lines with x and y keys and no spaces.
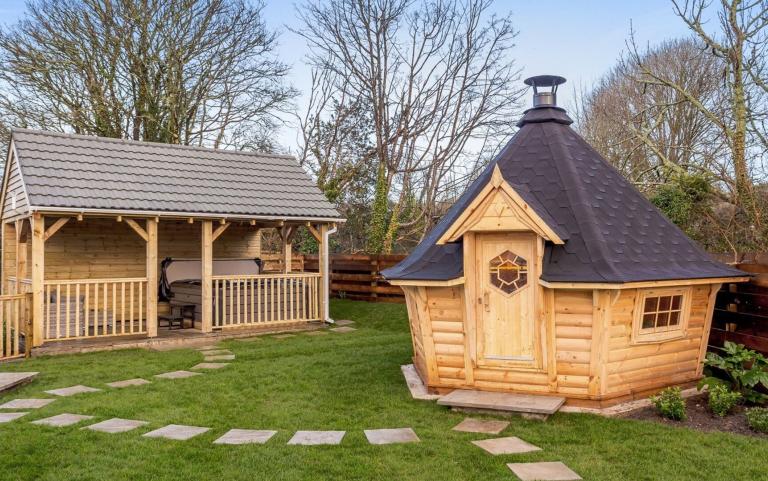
{"x":612,"y":233}
{"x":86,"y":172}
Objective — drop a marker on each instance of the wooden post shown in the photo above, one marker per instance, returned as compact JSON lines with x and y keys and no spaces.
{"x":21,"y":255}
{"x":152,"y":281}
{"x":287,"y":249}
{"x":324,"y":269}
{"x":38,"y":275}
{"x":205,"y":278}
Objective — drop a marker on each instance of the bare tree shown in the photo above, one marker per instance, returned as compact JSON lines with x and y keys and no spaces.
{"x":739,"y":40}
{"x":197,"y":72}
{"x":439,"y":83}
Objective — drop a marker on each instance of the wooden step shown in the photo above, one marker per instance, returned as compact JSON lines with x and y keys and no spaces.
{"x":499,"y":401}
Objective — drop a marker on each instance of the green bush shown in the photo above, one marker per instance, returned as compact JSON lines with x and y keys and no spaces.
{"x":670,"y":404}
{"x":744,"y":369}
{"x":757,"y":418}
{"x":722,"y":400}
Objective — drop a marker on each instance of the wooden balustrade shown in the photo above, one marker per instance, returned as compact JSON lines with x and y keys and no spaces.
{"x":13,"y":325}
{"x":265,"y":299}
{"x":19,"y":286}
{"x":86,"y":308}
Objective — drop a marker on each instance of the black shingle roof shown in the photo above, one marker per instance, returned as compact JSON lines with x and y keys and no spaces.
{"x":612,"y":233}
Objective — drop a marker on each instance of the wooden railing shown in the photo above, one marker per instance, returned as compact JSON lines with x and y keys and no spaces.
{"x":254,"y":300}
{"x":19,"y":286}
{"x":86,"y":308}
{"x":13,"y":325}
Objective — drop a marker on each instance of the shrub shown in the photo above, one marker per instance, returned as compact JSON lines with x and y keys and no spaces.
{"x":745,"y":370}
{"x":757,"y":418}
{"x":670,"y":404}
{"x":722,"y":400}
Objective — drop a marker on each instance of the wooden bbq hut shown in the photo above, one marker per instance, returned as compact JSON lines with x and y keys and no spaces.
{"x":108,"y":238}
{"x":553,"y":275}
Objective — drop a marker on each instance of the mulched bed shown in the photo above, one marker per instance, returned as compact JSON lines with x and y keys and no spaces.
{"x":700,"y":418}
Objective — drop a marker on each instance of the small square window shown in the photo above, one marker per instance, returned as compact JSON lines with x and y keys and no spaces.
{"x":674,"y":318}
{"x":664,"y":303}
{"x":662,"y":319}
{"x":649,"y":321}
{"x":661,"y":316}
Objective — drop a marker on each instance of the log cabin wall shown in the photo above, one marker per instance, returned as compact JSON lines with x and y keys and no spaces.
{"x":574,"y":315}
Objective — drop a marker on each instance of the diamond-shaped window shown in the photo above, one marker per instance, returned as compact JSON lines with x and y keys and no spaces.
{"x":509,"y":272}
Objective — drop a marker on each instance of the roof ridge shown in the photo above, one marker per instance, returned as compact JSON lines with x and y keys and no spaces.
{"x":98,"y":138}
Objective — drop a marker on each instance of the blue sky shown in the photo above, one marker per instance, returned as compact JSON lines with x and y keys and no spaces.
{"x":578,"y":39}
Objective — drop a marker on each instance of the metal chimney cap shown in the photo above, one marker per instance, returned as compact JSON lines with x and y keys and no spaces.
{"x":545,"y":81}
{"x":544,"y":99}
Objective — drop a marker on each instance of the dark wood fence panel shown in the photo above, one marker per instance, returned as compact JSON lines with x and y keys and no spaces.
{"x":358,"y":276}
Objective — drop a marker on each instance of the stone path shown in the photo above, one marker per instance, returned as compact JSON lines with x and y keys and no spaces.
{"x":177,"y":374}
{"x":210,"y":365}
{"x":544,"y":471}
{"x":128,"y":382}
{"x":391,"y":436}
{"x":216,"y":352}
{"x":314,"y":438}
{"x":317,"y":333}
{"x":222,"y":357}
{"x":116,"y":425}
{"x":510,"y":445}
{"x":8,"y":417}
{"x":485,"y":426}
{"x":283,"y":336}
{"x":26,"y":403}
{"x":344,"y":322}
{"x":9,"y":380}
{"x":245,"y":436}
{"x":61,"y":420}
{"x":343,"y":329}
{"x":72,"y":390}
{"x":178,"y":432}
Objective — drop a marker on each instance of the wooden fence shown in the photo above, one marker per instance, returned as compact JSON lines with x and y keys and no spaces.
{"x":741,"y":310}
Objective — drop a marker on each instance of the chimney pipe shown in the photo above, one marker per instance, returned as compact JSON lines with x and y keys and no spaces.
{"x":544,"y":98}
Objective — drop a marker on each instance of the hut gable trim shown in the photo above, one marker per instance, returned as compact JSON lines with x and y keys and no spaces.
{"x":14,"y":199}
{"x":499,"y":207}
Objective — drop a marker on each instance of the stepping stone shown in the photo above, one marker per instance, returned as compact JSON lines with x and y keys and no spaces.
{"x":217,"y":352}
{"x":510,"y":445}
{"x":344,"y":322}
{"x":128,"y":382}
{"x":546,"y":471}
{"x":61,"y":420}
{"x":283,"y":336}
{"x":178,"y":432}
{"x":225,"y":357}
{"x":488,"y":426}
{"x":177,"y":374}
{"x":207,"y":348}
{"x":313,"y":438}
{"x":8,"y":417}
{"x":416,"y":385}
{"x":72,"y":390}
{"x":116,"y":425}
{"x":391,"y":436}
{"x":210,"y":365}
{"x":26,"y":403}
{"x":245,"y":436}
{"x":343,"y":329}
{"x":526,"y":404}
{"x":317,"y":333}
{"x":9,"y":380}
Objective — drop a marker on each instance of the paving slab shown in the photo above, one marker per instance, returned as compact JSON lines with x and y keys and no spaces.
{"x":61,"y":420}
{"x":116,"y":425}
{"x":223,"y":357}
{"x":343,"y":329}
{"x":8,"y":417}
{"x":216,"y":352}
{"x":128,"y":382}
{"x":344,"y":322}
{"x":26,"y":403}
{"x":499,"y":401}
{"x":177,"y":374}
{"x":544,"y":471}
{"x":245,"y":436}
{"x":9,"y":380}
{"x":210,"y":365}
{"x":283,"y":336}
{"x":313,"y":438}
{"x":485,"y":426}
{"x":416,"y":385}
{"x":509,"y":445}
{"x":207,"y":347}
{"x":178,"y":432}
{"x":317,"y":333}
{"x":72,"y":390}
{"x":391,"y":436}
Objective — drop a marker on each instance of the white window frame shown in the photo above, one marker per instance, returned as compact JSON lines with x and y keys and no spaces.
{"x":655,"y":334}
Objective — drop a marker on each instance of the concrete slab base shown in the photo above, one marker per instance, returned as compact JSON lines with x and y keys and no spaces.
{"x":245,"y":436}
{"x":128,"y":382}
{"x":178,"y":432}
{"x":72,"y":390}
{"x":26,"y":403}
{"x":10,"y":380}
{"x":485,"y":426}
{"x":8,"y":417}
{"x":415,"y":385}
{"x":391,"y":436}
{"x":62,"y":420}
{"x":545,"y":471}
{"x":509,"y":445}
{"x":116,"y":425}
{"x":502,"y":402}
{"x":315,"y":438}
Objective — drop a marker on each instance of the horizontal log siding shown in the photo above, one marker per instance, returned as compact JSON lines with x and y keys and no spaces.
{"x":573,"y":340}
{"x":638,"y":367}
{"x":445,"y":308}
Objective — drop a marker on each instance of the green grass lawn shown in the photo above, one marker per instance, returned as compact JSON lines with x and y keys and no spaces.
{"x":346,"y":382}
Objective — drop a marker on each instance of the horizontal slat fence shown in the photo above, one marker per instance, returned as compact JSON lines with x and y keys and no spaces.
{"x":267,"y":299}
{"x":741,"y":309}
{"x":358,"y":276}
{"x":13,"y":325}
{"x":87,"y":308}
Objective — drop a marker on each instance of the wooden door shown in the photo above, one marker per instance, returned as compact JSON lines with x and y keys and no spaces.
{"x":506,"y":269}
